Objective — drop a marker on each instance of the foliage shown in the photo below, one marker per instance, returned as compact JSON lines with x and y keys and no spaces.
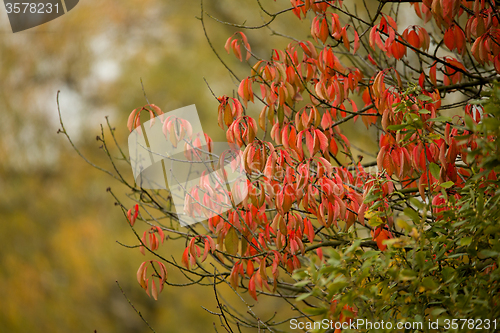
{"x":414,"y":239}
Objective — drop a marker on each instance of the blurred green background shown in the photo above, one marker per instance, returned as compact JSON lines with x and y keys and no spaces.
{"x":59,"y":257}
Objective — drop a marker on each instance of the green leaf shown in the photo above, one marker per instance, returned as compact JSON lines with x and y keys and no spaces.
{"x":465,"y":241}
{"x":448,"y":184}
{"x":424,"y":98}
{"x":477,"y":101}
{"x":413,"y":117}
{"x":337,"y":287}
{"x":469,"y":122}
{"x":433,"y":136}
{"x":407,"y":274}
{"x":302,"y":297}
{"x":302,"y":283}
{"x":480,"y":203}
{"x":371,"y":197}
{"x":417,"y":203}
{"x":396,"y":127}
{"x":354,"y":246}
{"x":420,"y":258}
{"x":492,"y":229}
{"x":489,"y":253}
{"x":441,"y":118}
{"x":429,"y":283}
{"x":413,"y":215}
{"x":327,"y":269}
{"x":403,"y":225}
{"x":315,"y":311}
{"x":300,"y":274}
{"x":456,"y":255}
{"x":434,"y":169}
{"x":448,"y":274}
{"x":281,"y":114}
{"x":369,"y":254}
{"x":437,"y":311}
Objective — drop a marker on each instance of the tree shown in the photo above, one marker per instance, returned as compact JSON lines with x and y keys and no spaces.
{"x":410,"y":237}
{"x":48,"y":271}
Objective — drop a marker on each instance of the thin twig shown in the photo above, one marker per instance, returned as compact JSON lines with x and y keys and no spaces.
{"x":133,"y":307}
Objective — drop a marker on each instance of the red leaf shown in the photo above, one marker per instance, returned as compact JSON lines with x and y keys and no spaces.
{"x":496,"y":63}
{"x":310,"y":143}
{"x":449,"y":38}
{"x":163,"y":274}
{"x":361,"y":214}
{"x":370,"y":58}
{"x":356,"y":42}
{"x":345,"y":39}
{"x":421,"y":80}
{"x":245,"y":43}
{"x":380,"y":158}
{"x":233,"y":277}
{"x":251,"y":287}
{"x":380,"y":235}
{"x":379,"y":43}
{"x":144,"y":241}
{"x":319,"y":252}
{"x":161,"y":234}
{"x":413,"y":39}
{"x":459,"y":39}
{"x":388,"y":164}
{"x":309,"y":230}
{"x":432,"y":74}
{"x":250,"y":268}
{"x":228,"y":43}
{"x":130,"y":218}
{"x":205,"y":250}
{"x":323,"y":140}
{"x":185,"y":258}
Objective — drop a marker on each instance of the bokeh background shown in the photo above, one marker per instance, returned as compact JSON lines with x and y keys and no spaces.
{"x":59,"y":256}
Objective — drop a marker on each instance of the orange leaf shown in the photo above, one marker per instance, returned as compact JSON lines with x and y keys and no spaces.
{"x":141,"y":274}
{"x":236,"y":49}
{"x":262,"y":269}
{"x":134,"y":119}
{"x":154,"y":291}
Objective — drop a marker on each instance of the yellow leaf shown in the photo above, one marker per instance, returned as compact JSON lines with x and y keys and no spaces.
{"x":231,"y":241}
{"x":375,"y":221}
